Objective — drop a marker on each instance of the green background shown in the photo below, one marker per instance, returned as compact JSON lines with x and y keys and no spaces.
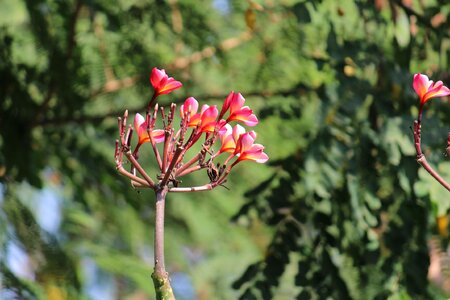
{"x":341,"y":210}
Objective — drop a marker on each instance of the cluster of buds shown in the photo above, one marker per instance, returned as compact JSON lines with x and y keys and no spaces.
{"x":171,"y":145}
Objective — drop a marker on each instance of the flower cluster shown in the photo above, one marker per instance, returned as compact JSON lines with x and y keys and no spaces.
{"x":195,"y":123}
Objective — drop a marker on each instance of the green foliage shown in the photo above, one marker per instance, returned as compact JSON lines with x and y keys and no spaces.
{"x":344,"y":199}
{"x":342,"y":210}
{"x":426,"y":187}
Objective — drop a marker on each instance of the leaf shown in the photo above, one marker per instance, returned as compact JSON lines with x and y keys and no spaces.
{"x":402,"y":29}
{"x":396,"y":140}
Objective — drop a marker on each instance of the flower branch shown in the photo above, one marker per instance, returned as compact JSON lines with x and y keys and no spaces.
{"x":427,"y":90}
{"x":207,"y":123}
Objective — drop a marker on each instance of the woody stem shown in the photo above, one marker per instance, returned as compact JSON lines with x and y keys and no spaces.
{"x":421,"y":159}
{"x":160,"y":276}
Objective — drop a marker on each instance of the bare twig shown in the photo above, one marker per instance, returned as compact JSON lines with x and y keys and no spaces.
{"x":188,"y":164}
{"x":139,"y":168}
{"x":172,"y":165}
{"x":150,"y":126}
{"x":421,"y":159}
{"x":133,"y":177}
{"x":190,"y":170}
{"x":202,"y":188}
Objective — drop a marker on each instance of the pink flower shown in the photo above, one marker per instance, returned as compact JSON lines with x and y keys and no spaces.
{"x":189,"y":106}
{"x":238,"y":112}
{"x":206,"y":119}
{"x":247,"y":150}
{"x":162,"y":83}
{"x":229,"y":137}
{"x":140,"y":126}
{"x":426,"y":89}
{"x":220,"y":126}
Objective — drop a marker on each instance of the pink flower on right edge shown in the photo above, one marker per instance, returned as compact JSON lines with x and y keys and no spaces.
{"x":426,"y":89}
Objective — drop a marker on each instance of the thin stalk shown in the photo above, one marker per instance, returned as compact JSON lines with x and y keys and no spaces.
{"x":190,"y":170}
{"x":160,"y":276}
{"x":188,"y":164}
{"x":136,"y":165}
{"x":155,"y":149}
{"x":168,"y":134}
{"x":150,"y":126}
{"x":421,"y":159}
{"x":172,"y":165}
{"x":206,"y":187}
{"x":133,"y":177}
{"x":151,"y":103}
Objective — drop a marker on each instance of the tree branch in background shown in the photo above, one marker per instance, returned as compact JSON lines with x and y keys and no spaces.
{"x":114,"y":85}
{"x":98,"y":31}
{"x":177,"y":25}
{"x":71,"y":43}
{"x":130,"y":81}
{"x":228,"y":44}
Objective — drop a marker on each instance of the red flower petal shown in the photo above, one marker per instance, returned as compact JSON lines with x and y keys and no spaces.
{"x":426,"y":89}
{"x":162,"y":83}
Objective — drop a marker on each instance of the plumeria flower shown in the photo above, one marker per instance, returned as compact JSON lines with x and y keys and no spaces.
{"x":247,"y":150}
{"x":234,"y":102}
{"x":140,"y":126}
{"x":426,"y":89}
{"x":162,"y":83}
{"x":220,"y":126}
{"x":229,"y":137}
{"x":190,"y":106}
{"x":206,"y":119}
